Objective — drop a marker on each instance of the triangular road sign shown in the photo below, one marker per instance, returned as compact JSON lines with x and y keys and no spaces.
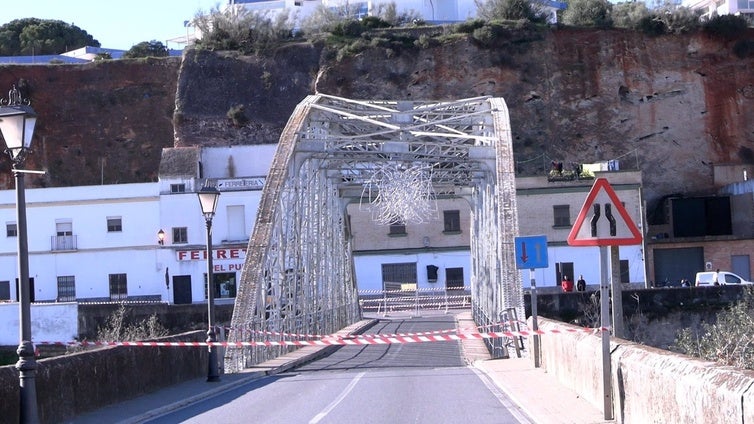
{"x":603,"y":220}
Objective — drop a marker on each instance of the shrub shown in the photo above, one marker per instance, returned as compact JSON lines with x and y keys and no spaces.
{"x":117,"y":328}
{"x":679,"y":19}
{"x":348,"y":28}
{"x":239,"y":29}
{"x":629,"y":14}
{"x":729,"y":341}
{"x":726,"y":26}
{"x":488,"y":34}
{"x":511,"y":10}
{"x":468,"y":27}
{"x":650,"y":25}
{"x":743,"y":48}
{"x":590,"y":13}
{"x":237,"y":115}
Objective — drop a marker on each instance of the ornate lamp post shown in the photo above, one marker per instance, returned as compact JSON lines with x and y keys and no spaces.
{"x":17,"y":120}
{"x":208,"y":196}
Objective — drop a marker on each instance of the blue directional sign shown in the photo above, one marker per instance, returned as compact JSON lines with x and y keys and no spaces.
{"x":531,"y":252}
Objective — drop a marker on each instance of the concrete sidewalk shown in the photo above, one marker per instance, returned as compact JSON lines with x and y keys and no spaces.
{"x":536,"y":392}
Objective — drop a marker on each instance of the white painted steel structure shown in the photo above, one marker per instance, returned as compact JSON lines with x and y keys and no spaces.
{"x":298,"y":275}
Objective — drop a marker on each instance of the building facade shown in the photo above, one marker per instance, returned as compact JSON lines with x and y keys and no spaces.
{"x":147,"y":242}
{"x":101,"y":243}
{"x":549,"y":206}
{"x":705,"y":231}
{"x":725,"y":7}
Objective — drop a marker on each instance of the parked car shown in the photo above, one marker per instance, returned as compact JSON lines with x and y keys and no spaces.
{"x":717,"y":278}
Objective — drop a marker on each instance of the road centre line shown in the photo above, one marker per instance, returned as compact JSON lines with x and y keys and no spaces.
{"x":317,"y":418}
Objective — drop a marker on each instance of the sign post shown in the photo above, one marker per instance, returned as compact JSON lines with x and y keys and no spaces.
{"x":609,"y":224}
{"x":531,"y":253}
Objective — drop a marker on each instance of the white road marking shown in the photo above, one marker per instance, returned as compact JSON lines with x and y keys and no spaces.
{"x":317,"y":418}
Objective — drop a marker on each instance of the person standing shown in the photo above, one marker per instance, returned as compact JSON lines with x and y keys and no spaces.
{"x":581,"y":284}
{"x":567,"y":284}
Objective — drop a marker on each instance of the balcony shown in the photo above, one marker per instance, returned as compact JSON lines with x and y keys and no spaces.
{"x":63,"y":243}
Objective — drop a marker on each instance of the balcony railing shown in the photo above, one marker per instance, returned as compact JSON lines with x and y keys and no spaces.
{"x":63,"y":243}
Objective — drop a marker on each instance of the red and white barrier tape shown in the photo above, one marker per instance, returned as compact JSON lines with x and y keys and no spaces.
{"x":375,"y":339}
{"x":321,"y":336}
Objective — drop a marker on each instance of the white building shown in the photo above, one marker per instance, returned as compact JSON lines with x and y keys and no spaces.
{"x":100,"y":243}
{"x":95,"y":243}
{"x":724,"y":7}
{"x":431,"y":11}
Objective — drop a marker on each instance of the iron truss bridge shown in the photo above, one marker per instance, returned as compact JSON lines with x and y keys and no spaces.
{"x":298,"y":276}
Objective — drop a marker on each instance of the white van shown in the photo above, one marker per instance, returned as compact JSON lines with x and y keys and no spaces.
{"x":717,"y":278}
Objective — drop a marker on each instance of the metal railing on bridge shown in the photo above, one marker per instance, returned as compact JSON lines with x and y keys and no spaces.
{"x":410,"y":298}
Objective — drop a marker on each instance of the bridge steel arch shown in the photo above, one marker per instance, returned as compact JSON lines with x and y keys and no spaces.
{"x":298,"y":276}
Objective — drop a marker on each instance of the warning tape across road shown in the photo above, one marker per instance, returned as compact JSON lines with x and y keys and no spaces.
{"x":244,"y":330}
{"x":372,"y":339}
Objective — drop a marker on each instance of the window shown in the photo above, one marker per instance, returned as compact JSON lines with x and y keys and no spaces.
{"x":224,"y":285}
{"x":66,"y":288}
{"x":397,"y":229}
{"x":562,"y":215}
{"x":180,"y":235}
{"x":4,"y":290}
{"x":64,"y":238}
{"x":118,"y":287}
{"x":64,"y":228}
{"x":452,"y":220}
{"x":454,"y":278}
{"x":394,"y":276}
{"x":177,"y":188}
{"x":114,"y":224}
{"x":11,"y":230}
{"x":236,"y":222}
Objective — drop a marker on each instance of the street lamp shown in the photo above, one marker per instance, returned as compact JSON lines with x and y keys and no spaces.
{"x":161,"y":237}
{"x":17,"y":120}
{"x":208,"y":196}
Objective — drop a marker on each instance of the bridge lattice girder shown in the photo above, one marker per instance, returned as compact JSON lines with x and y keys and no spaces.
{"x":298,"y":276}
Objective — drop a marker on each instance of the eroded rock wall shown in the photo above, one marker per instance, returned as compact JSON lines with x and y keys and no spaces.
{"x":671,"y":106}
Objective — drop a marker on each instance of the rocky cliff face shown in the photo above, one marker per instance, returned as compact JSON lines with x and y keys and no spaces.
{"x":97,"y":123}
{"x":671,"y":106}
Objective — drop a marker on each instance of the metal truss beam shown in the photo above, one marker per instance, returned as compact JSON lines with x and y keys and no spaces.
{"x":298,"y":275}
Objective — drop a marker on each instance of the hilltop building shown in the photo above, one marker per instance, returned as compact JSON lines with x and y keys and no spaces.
{"x":724,"y":7}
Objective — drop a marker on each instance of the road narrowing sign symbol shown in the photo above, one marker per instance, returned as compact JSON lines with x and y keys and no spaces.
{"x":603,"y":220}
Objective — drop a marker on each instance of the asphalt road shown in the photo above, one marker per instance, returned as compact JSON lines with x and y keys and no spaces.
{"x":397,"y":383}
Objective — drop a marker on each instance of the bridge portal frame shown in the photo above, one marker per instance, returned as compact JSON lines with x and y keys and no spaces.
{"x":298,"y":278}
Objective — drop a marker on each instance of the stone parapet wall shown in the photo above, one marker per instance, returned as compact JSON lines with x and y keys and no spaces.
{"x":70,"y":385}
{"x":648,"y":384}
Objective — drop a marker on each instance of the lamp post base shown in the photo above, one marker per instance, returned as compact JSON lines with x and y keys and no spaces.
{"x":27,"y":369}
{"x":213,"y":374}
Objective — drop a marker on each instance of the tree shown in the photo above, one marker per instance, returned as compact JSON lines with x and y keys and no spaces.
{"x":146,"y":49}
{"x":629,"y":14}
{"x":595,"y":13}
{"x":511,"y":10}
{"x":240,"y":29}
{"x":32,"y":36}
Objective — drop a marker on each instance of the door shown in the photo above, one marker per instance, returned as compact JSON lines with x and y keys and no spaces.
{"x":181,"y":289}
{"x":673,"y":264}
{"x":740,"y":265}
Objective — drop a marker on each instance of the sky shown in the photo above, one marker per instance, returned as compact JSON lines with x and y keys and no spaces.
{"x":116,"y":24}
